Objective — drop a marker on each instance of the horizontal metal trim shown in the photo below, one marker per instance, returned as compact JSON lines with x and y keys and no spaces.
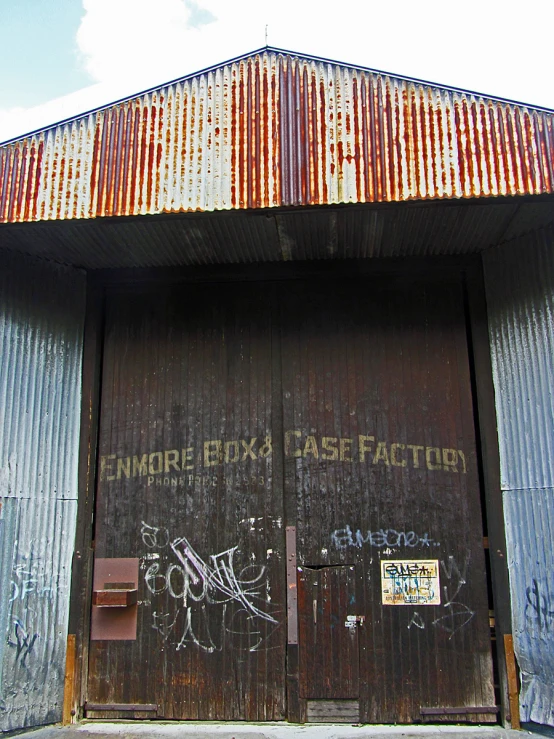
{"x":450,"y":710}
{"x":121,"y":707}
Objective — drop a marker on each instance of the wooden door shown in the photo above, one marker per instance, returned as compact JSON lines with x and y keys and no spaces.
{"x":381,"y":471}
{"x":328,"y":633}
{"x":340,"y":408}
{"x":186,"y":491}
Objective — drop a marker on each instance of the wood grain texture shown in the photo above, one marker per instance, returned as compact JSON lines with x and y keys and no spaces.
{"x":383,"y":461}
{"x":69,"y":681}
{"x":513,"y":692}
{"x":333,"y":712}
{"x":187,"y":488}
{"x":329,"y":650}
{"x":343,"y":408}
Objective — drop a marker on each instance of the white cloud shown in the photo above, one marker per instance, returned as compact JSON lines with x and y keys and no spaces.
{"x":136,"y":39}
{"x":130,"y":45}
{"x":15,"y":122}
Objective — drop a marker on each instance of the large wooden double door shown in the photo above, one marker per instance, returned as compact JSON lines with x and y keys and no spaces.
{"x":339,"y":412}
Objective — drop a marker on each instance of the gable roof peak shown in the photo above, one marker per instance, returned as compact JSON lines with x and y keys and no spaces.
{"x":309,"y":58}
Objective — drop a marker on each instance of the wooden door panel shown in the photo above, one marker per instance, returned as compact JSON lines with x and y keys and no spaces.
{"x":343,"y":409}
{"x":328,"y":648}
{"x":381,"y":459}
{"x":186,"y":486}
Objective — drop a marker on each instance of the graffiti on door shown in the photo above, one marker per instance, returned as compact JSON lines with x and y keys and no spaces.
{"x":219,"y":600}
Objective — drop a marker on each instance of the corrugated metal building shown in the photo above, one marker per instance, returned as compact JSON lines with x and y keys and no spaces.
{"x":313,"y":474}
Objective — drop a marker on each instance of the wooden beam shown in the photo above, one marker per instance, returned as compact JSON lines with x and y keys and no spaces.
{"x":479,"y":346}
{"x":512,"y":681}
{"x":81,"y":576}
{"x":69,"y":682}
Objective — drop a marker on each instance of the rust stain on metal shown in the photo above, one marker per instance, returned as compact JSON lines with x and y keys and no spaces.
{"x":233,"y":122}
{"x":274,"y":129}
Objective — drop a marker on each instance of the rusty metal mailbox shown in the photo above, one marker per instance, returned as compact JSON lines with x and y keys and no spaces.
{"x":115,"y":599}
{"x":115,"y":595}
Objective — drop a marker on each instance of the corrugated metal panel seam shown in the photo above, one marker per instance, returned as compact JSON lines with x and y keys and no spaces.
{"x":273,"y":129}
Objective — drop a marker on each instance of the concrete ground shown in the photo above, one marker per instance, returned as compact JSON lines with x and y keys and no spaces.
{"x":207,"y":730}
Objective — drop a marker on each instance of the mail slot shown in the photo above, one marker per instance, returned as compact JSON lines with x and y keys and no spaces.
{"x":115,"y":595}
{"x":114,"y":599}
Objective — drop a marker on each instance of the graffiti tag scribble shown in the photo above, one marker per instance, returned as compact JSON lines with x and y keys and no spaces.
{"x":417,"y":621}
{"x":23,"y":643}
{"x":154,"y":536}
{"x":30,"y":576}
{"x":455,"y":615}
{"x":219,"y":602}
{"x":383,"y":538}
{"x":219,"y":582}
{"x":458,"y":614}
{"x":537,"y":608}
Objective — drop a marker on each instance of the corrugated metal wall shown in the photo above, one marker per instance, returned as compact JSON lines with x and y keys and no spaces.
{"x":274,"y":129}
{"x":41,"y":333}
{"x":520,"y":295}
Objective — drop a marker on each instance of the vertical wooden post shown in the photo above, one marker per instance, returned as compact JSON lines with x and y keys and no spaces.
{"x":81,"y":577}
{"x":69,"y":682}
{"x":512,"y":680}
{"x":479,"y":346}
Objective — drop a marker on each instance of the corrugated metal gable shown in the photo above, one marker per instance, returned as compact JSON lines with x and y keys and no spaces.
{"x":273,"y":129}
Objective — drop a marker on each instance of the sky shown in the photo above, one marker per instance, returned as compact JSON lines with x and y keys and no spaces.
{"x":60,"y":58}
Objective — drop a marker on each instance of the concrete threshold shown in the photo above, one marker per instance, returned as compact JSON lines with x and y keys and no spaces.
{"x":218,"y":730}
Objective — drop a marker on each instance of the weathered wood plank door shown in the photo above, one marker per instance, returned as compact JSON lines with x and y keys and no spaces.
{"x":186,"y":488}
{"x":328,"y":639}
{"x":381,"y":470}
{"x":343,"y":409}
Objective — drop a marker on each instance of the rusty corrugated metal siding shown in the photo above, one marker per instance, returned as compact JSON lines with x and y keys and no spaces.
{"x":274,"y":129}
{"x":41,"y":325}
{"x":520,"y":295}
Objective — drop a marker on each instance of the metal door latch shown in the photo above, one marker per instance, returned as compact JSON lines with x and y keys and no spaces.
{"x":353,"y":621}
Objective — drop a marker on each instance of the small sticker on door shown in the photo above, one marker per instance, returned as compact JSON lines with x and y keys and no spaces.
{"x":410,"y":582}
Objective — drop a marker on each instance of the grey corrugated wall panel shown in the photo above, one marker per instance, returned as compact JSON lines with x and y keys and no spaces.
{"x":41,"y":336}
{"x":519,"y":281}
{"x":531,"y":565}
{"x":520,"y":297}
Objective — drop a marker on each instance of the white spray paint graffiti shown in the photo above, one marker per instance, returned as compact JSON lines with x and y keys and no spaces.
{"x":240,"y":595}
{"x":389,"y":538}
{"x":31,"y":581}
{"x":457,"y":614}
{"x":30,"y":576}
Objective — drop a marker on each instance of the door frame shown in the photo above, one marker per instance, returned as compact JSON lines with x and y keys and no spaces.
{"x":99,"y":282}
